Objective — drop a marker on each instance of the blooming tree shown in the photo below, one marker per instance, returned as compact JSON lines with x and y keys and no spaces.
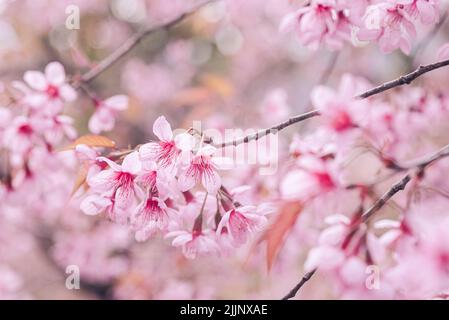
{"x":94,"y":173}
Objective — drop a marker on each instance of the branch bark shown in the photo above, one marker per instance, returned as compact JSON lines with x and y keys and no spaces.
{"x":402,"y":80}
{"x":303,"y":281}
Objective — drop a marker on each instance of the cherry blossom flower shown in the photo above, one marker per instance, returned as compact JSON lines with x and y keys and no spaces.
{"x":324,"y":21}
{"x":119,"y":181}
{"x":241,"y":222}
{"x":202,"y":167}
{"x":59,"y":127}
{"x":389,"y":24}
{"x":150,"y":216}
{"x":169,"y":149}
{"x":312,"y":177}
{"x":51,"y":88}
{"x":194,"y":242}
{"x":106,"y":112}
{"x":426,"y":10}
{"x":340,"y":111}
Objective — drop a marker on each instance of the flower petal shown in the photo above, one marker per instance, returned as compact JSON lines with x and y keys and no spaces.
{"x":55,"y":74}
{"x":211,"y":181}
{"x":162,"y":129}
{"x":35,"y":80}
{"x":118,"y":102}
{"x":132,"y":163}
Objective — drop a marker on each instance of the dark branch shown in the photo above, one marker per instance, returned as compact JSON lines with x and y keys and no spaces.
{"x":402,"y":80}
{"x":295,"y":290}
{"x":271,"y":130}
{"x":131,"y":42}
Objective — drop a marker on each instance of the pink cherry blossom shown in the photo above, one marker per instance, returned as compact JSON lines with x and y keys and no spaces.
{"x":150,"y":216}
{"x":118,"y":181}
{"x":106,"y":112}
{"x":389,"y":24}
{"x":426,"y":10}
{"x":241,"y":223}
{"x":167,"y":151}
{"x":322,"y":21}
{"x":202,"y":168}
{"x":50,"y":88}
{"x":195,"y":242}
{"x":341,"y":112}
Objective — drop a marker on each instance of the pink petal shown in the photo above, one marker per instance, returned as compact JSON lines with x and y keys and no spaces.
{"x":55,"y":74}
{"x":85,"y":152}
{"x":101,"y":120}
{"x":162,"y":129}
{"x":185,"y":142}
{"x":426,"y":12}
{"x":95,"y":125}
{"x":148,"y":151}
{"x":132,"y":163}
{"x":35,"y":80}
{"x":322,"y":96}
{"x":102,"y":180}
{"x":289,"y":22}
{"x":114,"y":166}
{"x":94,"y":204}
{"x":186,"y":182}
{"x":212,"y":182}
{"x":123,"y":197}
{"x":67,"y":93}
{"x":118,"y":102}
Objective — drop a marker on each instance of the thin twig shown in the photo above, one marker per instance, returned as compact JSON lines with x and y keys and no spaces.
{"x":405,"y":79}
{"x":131,"y":42}
{"x":295,"y":290}
{"x":398,"y":186}
{"x":271,"y":130}
{"x":402,"y":80}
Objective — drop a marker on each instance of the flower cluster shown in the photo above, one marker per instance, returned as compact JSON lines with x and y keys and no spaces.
{"x":373,"y":131}
{"x":155,"y":190}
{"x":392,"y":23}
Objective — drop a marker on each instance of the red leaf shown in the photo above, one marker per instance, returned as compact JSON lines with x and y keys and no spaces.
{"x":278,"y":231}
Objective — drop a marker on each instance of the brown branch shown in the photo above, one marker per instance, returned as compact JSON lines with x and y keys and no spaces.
{"x":131,"y":42}
{"x":419,"y":168}
{"x":398,"y":186}
{"x":303,"y":281}
{"x":405,"y":79}
{"x":402,"y":80}
{"x":274,"y":129}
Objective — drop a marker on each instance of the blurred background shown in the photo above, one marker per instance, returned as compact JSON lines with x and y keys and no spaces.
{"x":226,"y":65}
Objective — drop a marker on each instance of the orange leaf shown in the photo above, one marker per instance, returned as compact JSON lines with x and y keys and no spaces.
{"x":91,"y":141}
{"x":278,"y":231}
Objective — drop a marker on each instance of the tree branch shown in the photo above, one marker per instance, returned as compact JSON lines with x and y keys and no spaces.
{"x":131,"y":42}
{"x":402,"y":80}
{"x":405,"y":79}
{"x":274,"y":129}
{"x":304,"y":279}
{"x":419,"y":168}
